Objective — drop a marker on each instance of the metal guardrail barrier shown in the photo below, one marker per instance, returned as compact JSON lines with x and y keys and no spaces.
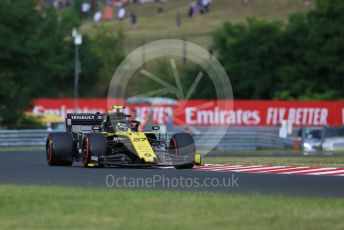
{"x":235,"y":138}
{"x":23,"y":137}
{"x":246,"y":141}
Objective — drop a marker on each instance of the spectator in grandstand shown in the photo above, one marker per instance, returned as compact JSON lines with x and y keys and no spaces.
{"x":55,"y":4}
{"x":210,"y":50}
{"x":200,"y":6}
{"x":117,"y":4}
{"x":121,"y":14}
{"x":133,"y":19}
{"x":192,"y":8}
{"x":160,"y":6}
{"x":107,"y":13}
{"x":85,"y":9}
{"x":178,"y":20}
{"x":97,"y":17}
{"x":95,"y":5}
{"x":205,"y":4}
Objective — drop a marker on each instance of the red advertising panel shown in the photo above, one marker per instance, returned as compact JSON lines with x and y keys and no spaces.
{"x":211,"y":113}
{"x":265,"y":113}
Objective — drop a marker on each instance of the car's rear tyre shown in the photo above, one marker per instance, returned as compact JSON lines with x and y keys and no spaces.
{"x":59,"y":149}
{"x":94,"y":145}
{"x":183,"y":146}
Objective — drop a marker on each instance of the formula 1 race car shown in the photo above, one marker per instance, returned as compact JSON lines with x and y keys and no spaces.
{"x":111,"y":139}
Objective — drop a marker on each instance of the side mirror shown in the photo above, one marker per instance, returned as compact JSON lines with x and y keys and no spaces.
{"x":156,"y":127}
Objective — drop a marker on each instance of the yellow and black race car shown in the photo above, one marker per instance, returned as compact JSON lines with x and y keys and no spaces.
{"x":112,"y":139}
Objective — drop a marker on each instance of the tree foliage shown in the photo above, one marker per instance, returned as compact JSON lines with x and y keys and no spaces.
{"x":300,"y":60}
{"x":28,"y":57}
{"x":107,"y":46}
{"x":37,"y":57}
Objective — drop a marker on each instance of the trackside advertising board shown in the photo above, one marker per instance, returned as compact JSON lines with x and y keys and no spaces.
{"x":210,"y":113}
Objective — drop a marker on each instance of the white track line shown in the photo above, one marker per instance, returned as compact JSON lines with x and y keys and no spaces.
{"x":261,"y":168}
{"x":229,"y":168}
{"x":240,"y":169}
{"x":279,"y":169}
{"x":338,"y":171}
{"x":215,"y":168}
{"x":328,"y":172}
{"x":206,"y":165}
{"x":218,"y":166}
{"x":308,"y":171}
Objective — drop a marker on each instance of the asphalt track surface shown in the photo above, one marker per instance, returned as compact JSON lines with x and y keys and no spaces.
{"x":30,"y":168}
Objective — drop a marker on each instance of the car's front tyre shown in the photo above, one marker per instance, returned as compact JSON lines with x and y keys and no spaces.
{"x":94,"y":144}
{"x":182,"y":146}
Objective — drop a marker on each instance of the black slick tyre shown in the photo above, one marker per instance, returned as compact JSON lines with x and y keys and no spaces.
{"x":183,"y":147}
{"x":59,"y":149}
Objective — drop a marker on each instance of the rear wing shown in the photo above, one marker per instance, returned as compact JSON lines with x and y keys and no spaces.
{"x":83,"y":119}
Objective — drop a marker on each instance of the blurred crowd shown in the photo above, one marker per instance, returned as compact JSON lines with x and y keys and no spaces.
{"x":99,"y":10}
{"x":199,"y":6}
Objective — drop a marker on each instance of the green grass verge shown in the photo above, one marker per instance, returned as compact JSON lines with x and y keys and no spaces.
{"x":21,"y":148}
{"x":151,"y":26}
{"x":30,"y":207}
{"x":292,"y":161}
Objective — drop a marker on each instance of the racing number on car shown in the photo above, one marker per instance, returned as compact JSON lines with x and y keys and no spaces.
{"x":139,"y":139}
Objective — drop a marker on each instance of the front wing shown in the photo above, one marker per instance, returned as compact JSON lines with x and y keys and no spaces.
{"x":122,"y":160}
